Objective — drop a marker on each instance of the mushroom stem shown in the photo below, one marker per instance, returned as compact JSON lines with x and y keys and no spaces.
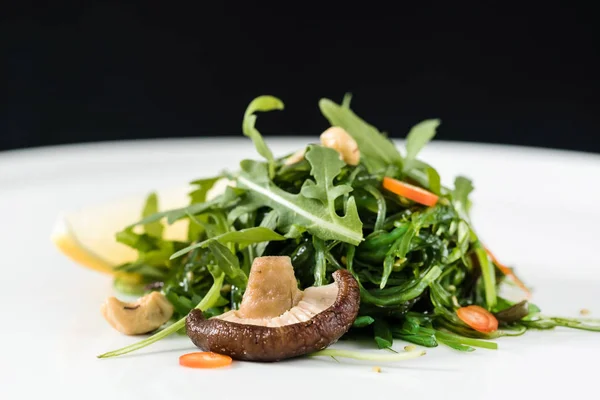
{"x":272,"y":288}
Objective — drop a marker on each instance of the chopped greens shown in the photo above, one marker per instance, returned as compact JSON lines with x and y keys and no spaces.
{"x":417,"y":138}
{"x":315,"y":214}
{"x":262,"y":103}
{"x":415,"y":265}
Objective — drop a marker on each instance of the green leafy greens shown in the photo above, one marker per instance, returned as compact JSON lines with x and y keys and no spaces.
{"x":314,"y":207}
{"x":262,"y":103}
{"x":417,"y":138}
{"x":415,"y":265}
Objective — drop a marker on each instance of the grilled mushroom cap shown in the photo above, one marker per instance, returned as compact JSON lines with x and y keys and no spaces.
{"x":264,"y":330}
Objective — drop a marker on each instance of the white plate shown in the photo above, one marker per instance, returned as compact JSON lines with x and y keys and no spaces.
{"x":538,"y":210}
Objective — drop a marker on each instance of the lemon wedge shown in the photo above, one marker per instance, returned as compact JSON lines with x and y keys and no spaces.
{"x":87,"y":236}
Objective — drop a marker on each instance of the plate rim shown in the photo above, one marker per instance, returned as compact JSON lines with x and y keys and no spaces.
{"x":99,"y":145}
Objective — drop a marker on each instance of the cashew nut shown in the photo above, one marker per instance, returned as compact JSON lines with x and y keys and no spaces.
{"x":145,"y":315}
{"x":338,"y":139}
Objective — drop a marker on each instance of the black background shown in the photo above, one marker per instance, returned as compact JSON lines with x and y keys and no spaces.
{"x":491,"y":72}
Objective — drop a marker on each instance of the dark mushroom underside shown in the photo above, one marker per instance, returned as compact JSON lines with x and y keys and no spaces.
{"x":261,"y":343}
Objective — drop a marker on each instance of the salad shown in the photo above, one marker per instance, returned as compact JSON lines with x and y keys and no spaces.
{"x":348,"y":237}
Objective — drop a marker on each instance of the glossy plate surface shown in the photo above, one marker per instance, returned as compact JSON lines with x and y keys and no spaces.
{"x":538,"y":210}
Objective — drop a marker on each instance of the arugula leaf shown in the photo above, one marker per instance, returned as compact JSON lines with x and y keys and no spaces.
{"x":201,"y":224}
{"x":488,"y":275}
{"x":533,"y":314}
{"x":423,"y":173}
{"x":295,"y":231}
{"x":417,"y":138}
{"x":175,"y":214}
{"x":158,"y":257}
{"x":151,"y":207}
{"x":228,"y":263}
{"x":377,"y":152}
{"x":383,"y":334}
{"x":462,"y":189}
{"x":435,"y":181}
{"x":197,"y":226}
{"x":533,"y":309}
{"x":462,"y":242}
{"x":346,"y":100}
{"x":363,"y":321}
{"x":261,"y":103}
{"x":182,"y":304}
{"x":269,"y":221}
{"x":142,"y":269}
{"x":420,"y":338}
{"x":297,"y":209}
{"x":126,"y":286}
{"x":140,"y":242}
{"x":229,"y":198}
{"x":245,"y":207}
{"x":198,"y":195}
{"x":244,"y":238}
{"x":326,"y":165}
{"x":153,"y":254}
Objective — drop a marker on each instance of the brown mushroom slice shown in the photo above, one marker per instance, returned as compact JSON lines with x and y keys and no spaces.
{"x":320,"y":316}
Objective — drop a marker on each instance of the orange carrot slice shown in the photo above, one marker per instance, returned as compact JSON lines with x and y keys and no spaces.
{"x":478,"y":318}
{"x":204,"y":359}
{"x":409,"y":191}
